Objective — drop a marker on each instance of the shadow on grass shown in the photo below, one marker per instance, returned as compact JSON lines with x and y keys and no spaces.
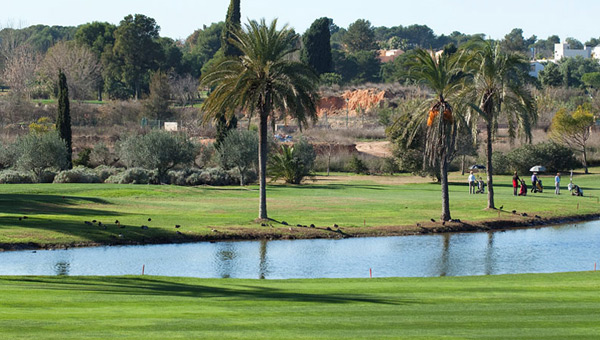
{"x":47,"y":204}
{"x":327,"y":186}
{"x":158,"y":287}
{"x":109,"y":233}
{"x":466,"y":185}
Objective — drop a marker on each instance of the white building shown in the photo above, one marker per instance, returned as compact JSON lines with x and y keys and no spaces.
{"x":562,"y":50}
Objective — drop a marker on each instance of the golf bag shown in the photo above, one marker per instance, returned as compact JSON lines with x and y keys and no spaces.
{"x":523,"y":189}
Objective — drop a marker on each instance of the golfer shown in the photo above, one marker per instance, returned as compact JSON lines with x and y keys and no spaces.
{"x":472,"y":183}
{"x":516,"y":181}
{"x":557,"y":184}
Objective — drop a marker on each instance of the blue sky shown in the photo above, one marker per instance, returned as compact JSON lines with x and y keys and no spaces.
{"x":179,"y":18}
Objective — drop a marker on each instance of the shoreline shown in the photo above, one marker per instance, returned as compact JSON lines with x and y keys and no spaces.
{"x":304,"y":232}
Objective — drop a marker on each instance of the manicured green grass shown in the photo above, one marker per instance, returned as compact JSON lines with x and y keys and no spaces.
{"x":56,"y":212}
{"x":532,"y":306}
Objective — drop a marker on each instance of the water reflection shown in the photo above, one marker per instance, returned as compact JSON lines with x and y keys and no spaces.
{"x":553,"y":249}
{"x":226,"y":258}
{"x":262,"y":267}
{"x":62,"y":268}
{"x":489,"y":254}
{"x":444,"y":259}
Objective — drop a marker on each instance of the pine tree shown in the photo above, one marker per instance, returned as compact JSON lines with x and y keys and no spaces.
{"x":232,"y":24}
{"x":63,"y":118}
{"x":317,"y":46}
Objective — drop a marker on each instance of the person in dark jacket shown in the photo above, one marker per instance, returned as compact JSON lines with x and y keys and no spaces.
{"x":516,"y":182}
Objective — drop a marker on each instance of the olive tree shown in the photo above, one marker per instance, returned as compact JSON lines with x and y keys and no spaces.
{"x":160,"y":150}
{"x":239,"y":150}
{"x":38,"y":152}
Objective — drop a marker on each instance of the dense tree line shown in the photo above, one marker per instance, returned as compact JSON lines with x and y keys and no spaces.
{"x":119,"y":60}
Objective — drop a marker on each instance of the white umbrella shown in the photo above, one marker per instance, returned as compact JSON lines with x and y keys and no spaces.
{"x":538,"y":168}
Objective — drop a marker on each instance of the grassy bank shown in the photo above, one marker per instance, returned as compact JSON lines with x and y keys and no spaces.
{"x":360,"y":205}
{"x":532,"y":306}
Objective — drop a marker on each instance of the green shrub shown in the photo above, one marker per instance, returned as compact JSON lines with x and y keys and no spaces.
{"x":38,"y":152}
{"x":239,"y":151}
{"x":205,"y":157}
{"x":214,"y":176}
{"x":100,"y":155}
{"x":83,"y":158}
{"x":186,"y":176}
{"x":47,"y":176}
{"x":384,"y":165}
{"x":554,"y":157}
{"x":135,"y":176}
{"x":208,"y":176}
{"x":15,"y":177}
{"x":158,"y":150}
{"x":79,"y":174}
{"x":357,"y":165}
{"x":293,"y":163}
{"x":7,"y":156}
{"x":105,"y":171}
{"x":500,"y":163}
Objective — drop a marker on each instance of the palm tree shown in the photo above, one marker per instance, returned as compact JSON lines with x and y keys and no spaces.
{"x":264,"y":80}
{"x":443,"y":75}
{"x":498,"y":87}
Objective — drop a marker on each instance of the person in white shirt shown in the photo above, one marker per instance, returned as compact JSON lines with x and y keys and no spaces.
{"x":557,"y":184}
{"x":472,"y":183}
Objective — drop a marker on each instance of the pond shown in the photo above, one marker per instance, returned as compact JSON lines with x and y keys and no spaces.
{"x":574,"y":247}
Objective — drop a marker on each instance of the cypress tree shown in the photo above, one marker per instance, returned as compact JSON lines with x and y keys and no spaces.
{"x":317,"y":46}
{"x":232,"y":23}
{"x":223,"y":127}
{"x":63,"y":118}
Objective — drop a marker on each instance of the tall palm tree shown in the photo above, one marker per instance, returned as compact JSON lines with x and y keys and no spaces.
{"x":498,"y":87}
{"x":264,"y":80}
{"x":443,"y":75}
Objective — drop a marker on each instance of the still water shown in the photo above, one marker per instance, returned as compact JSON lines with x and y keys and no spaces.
{"x":574,"y":247}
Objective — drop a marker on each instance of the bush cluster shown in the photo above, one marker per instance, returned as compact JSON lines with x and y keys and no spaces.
{"x":553,"y":156}
{"x":15,"y":177}
{"x":135,"y":176}
{"x":208,"y":176}
{"x":79,"y":174}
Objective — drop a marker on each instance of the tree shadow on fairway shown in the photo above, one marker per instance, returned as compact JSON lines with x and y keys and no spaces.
{"x":108,"y":232}
{"x":47,"y":204}
{"x":273,"y":187}
{"x":466,"y":185}
{"x":157,"y":287}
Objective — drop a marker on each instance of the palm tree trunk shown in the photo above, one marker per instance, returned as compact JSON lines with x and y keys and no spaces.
{"x":490,"y":170}
{"x":445,"y":197}
{"x":262,"y":164}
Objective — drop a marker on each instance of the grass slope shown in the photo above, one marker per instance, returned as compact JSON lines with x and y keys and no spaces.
{"x":56,"y":212}
{"x":532,"y":306}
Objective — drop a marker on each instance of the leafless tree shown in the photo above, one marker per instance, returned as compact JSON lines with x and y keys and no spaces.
{"x":79,"y":64}
{"x":184,"y":89}
{"x":19,"y":70}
